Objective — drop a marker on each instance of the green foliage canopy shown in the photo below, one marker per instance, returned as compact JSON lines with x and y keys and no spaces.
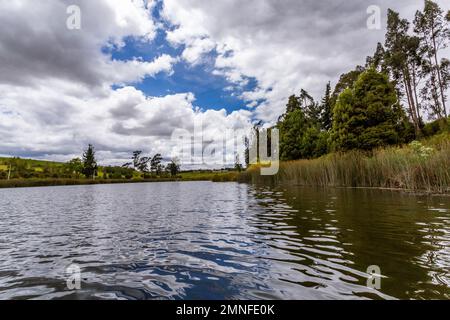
{"x":368,"y":115}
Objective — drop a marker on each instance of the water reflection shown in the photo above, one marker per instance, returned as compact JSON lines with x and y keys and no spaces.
{"x":340,"y":232}
{"x":206,"y":240}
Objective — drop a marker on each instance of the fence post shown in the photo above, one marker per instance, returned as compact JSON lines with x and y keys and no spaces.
{"x":9,"y":172}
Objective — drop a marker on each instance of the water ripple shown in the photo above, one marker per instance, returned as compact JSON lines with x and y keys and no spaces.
{"x":221,"y":241}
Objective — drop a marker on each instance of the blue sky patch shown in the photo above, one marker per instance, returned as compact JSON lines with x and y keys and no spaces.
{"x":211,"y":91}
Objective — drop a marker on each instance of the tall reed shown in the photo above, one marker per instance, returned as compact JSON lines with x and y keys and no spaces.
{"x":414,"y":167}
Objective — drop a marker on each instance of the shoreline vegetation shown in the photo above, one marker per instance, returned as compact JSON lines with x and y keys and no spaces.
{"x":16,"y":172}
{"x":384,"y":125}
{"x":419,"y":166}
{"x":214,"y":176}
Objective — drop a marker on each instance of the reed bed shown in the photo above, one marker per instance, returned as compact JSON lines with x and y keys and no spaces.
{"x":421,"y":166}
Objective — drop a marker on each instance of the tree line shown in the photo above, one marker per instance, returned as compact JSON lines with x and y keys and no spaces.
{"x":382,"y":103}
{"x":147,"y":167}
{"x":152,"y":166}
{"x":86,"y":167}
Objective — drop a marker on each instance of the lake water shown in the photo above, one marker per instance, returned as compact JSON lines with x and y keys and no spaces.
{"x":203,"y":240}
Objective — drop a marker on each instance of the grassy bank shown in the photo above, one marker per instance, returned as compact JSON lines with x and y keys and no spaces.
{"x":188,"y":176}
{"x":421,"y":165}
{"x":214,"y":176}
{"x":25,"y":183}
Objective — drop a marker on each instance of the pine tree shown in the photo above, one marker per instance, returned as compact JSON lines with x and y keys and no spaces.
{"x":300,"y":138}
{"x":377,"y":61}
{"x":311,"y":109}
{"x":327,"y":112}
{"x":346,"y":80}
{"x":367,"y":116}
{"x":89,"y":163}
{"x":247,"y":151}
{"x":293,"y":104}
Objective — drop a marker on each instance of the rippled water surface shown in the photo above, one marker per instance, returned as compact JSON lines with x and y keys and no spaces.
{"x":205,"y":240}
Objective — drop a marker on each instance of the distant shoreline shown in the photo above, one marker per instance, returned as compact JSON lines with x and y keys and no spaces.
{"x":29,"y":183}
{"x":16,"y":184}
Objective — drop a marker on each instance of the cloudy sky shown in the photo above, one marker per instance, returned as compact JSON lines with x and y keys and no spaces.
{"x":138,"y":70}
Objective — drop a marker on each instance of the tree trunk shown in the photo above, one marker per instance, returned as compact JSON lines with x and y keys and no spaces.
{"x":415,"y":93}
{"x":411,"y":106}
{"x":438,"y":73}
{"x":437,"y":107}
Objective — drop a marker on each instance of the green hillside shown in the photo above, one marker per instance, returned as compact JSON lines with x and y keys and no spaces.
{"x":30,"y":172}
{"x":28,"y":166}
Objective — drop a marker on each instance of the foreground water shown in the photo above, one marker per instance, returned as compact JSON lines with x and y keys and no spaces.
{"x":205,"y":240}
